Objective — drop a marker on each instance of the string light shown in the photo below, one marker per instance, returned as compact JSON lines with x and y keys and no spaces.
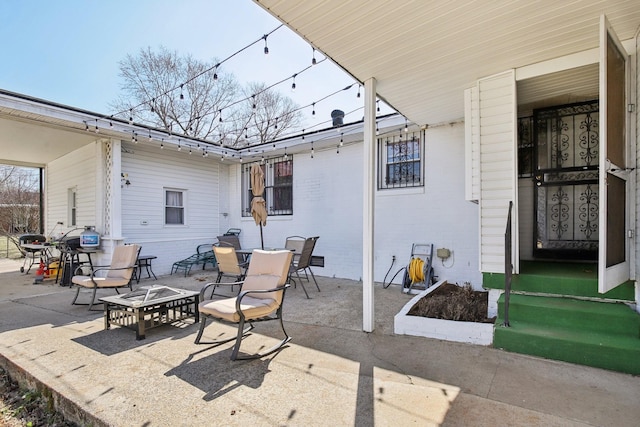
{"x":262,"y":161}
{"x":378,"y":105}
{"x":130,"y":115}
{"x":266,"y":48}
{"x":293,"y":85}
{"x":97,"y":130}
{"x":162,"y":144}
{"x":312,"y":149}
{"x":153,"y":101}
{"x":179,"y":146}
{"x":406,"y":125}
{"x":190,"y":150}
{"x":274,"y":146}
{"x":313,"y":112}
{"x":215,"y":73}
{"x":150,"y":138}
{"x":86,"y":126}
{"x":220,"y":112}
{"x":181,"y":94}
{"x":338,"y":149}
{"x":275,"y":126}
{"x":313,"y":56}
{"x":341,"y":139}
{"x":358,"y":95}
{"x":285,"y":154}
{"x":110,"y":124}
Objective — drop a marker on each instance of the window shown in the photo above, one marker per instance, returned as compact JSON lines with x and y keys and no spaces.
{"x":278,"y":193}
{"x":174,"y":207}
{"x":72,"y":207}
{"x":400,"y":161}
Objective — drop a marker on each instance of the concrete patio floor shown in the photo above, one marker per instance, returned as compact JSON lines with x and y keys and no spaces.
{"x":331,"y":373}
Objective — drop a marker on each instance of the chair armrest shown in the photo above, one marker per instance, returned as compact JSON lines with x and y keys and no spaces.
{"x":94,"y":270}
{"x":242,"y":294}
{"x":208,"y":285}
{"x":204,"y":245}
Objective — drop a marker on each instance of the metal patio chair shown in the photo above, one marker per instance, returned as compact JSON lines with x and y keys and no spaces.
{"x":302,"y":262}
{"x":260,"y":299}
{"x":118,"y":274}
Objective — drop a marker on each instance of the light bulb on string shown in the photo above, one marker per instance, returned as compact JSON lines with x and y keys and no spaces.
{"x":266,"y":48}
{"x":215,"y":73}
{"x":190,"y":152}
{"x":179,"y":145}
{"x":97,"y":130}
{"x":312,"y":149}
{"x":274,"y":146}
{"x":341,"y":139}
{"x":254,"y":102}
{"x":338,"y":149}
{"x":162,"y":144}
{"x":313,"y":56}
{"x":285,"y":154}
{"x":110,"y":123}
{"x":150,"y":138}
{"x":377,"y":128}
{"x":153,"y":101}
{"x":406,"y":125}
{"x":133,"y":136}
{"x":275,"y":126}
{"x":293,"y":85}
{"x":358,"y":95}
{"x":220,"y":112}
{"x":303,"y":134}
{"x":181,"y":94}
{"x":86,"y":126}
{"x":313,"y":112}
{"x":131,"y":116}
{"x":262,"y":161}
{"x":378,"y":105}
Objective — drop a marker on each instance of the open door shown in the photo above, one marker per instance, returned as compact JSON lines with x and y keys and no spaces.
{"x":613,"y":176}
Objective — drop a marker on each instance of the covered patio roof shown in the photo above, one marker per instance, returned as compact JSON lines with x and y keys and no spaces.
{"x":423,"y":54}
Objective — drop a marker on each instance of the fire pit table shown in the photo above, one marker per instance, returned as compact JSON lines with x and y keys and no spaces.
{"x":149,"y":307}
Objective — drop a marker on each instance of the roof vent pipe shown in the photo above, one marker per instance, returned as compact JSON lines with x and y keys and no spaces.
{"x":337,"y":116}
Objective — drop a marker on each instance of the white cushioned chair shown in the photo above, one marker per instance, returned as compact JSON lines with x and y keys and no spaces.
{"x":260,"y":299}
{"x":117,"y":275}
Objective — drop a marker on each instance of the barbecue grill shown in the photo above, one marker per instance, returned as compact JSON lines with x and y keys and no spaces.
{"x":31,"y":252}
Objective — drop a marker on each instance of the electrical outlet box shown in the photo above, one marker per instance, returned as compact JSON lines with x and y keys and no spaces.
{"x":443,"y":253}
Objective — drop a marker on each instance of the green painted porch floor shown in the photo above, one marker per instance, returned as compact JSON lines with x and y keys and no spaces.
{"x":573,"y":279}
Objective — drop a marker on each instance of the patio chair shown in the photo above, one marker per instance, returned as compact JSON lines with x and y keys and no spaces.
{"x":118,"y":274}
{"x":227,"y":260}
{"x":204,"y":255}
{"x":260,"y":299}
{"x":302,"y":262}
{"x":232,"y":240}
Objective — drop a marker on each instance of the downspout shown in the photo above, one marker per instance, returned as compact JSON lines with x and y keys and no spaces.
{"x":368,"y":204}
{"x":41,"y":196}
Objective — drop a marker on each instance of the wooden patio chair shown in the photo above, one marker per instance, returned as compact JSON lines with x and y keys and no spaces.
{"x":260,"y":299}
{"x":118,"y":274}
{"x":302,"y":262}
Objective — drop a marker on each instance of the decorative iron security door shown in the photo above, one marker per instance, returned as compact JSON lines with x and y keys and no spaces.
{"x":566,"y":178}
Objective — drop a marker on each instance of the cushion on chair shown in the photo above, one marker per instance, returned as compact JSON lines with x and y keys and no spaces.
{"x":123,"y":256}
{"x":271,"y":263}
{"x":102,"y":282}
{"x":253,"y":308}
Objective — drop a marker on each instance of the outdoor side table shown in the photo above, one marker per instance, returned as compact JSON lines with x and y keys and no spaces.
{"x":144,"y":261}
{"x":150,"y":307}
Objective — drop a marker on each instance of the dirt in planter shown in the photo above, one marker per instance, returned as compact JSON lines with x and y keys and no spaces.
{"x":453,"y":302}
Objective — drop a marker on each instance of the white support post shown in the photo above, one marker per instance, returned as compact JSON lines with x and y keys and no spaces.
{"x":368,"y":204}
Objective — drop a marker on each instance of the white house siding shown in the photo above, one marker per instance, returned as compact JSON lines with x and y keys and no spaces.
{"x":636,"y":100}
{"x":327,"y":202}
{"x":472,"y":144}
{"x":497,"y":166}
{"x":150,"y":170}
{"x":75,"y":170}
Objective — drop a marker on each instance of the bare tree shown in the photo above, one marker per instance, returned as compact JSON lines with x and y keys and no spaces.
{"x":264,"y":116}
{"x":19,"y":201}
{"x":194,"y":98}
{"x":174,"y":92}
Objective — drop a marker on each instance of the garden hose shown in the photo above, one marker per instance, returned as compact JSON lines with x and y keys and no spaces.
{"x":416,"y":270}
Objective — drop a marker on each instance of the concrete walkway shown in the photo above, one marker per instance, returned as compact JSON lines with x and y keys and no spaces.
{"x":331,"y":374}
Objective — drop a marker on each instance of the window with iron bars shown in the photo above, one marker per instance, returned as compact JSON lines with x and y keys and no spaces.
{"x":278,"y":191}
{"x":400,"y":160}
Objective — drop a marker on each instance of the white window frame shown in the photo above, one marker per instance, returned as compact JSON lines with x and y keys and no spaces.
{"x":183,"y":206}
{"x":72,"y":206}
{"x":400,"y":138}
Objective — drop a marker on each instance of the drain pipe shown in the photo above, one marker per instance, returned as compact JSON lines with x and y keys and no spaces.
{"x":508,"y":267}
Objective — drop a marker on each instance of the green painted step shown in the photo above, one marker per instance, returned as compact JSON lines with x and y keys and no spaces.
{"x":608,"y":351}
{"x":610,"y":318}
{"x":576,"y":279}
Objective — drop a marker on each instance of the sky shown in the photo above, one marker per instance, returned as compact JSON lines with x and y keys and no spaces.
{"x":67,"y":51}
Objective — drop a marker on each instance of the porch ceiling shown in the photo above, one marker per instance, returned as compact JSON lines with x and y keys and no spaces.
{"x":423,"y":54}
